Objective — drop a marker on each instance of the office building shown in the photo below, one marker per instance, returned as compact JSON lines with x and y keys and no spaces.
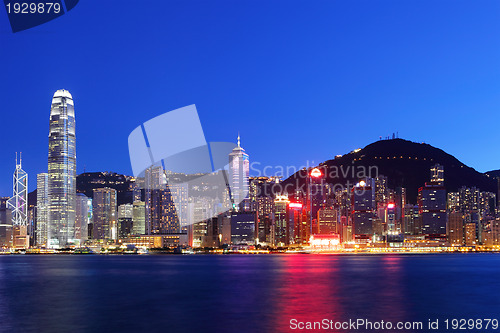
{"x":470,"y":234}
{"x":239,"y":168}
{"x":281,"y":233}
{"x":138,"y":218}
{"x":432,"y":202}
{"x":5,"y":224}
{"x":83,"y":214}
{"x":61,"y":188}
{"x":125,"y":218}
{"x":328,"y":221}
{"x":104,"y":214}
{"x":18,"y":203}
{"x":243,"y":228}
{"x":456,"y":229}
{"x":363,"y":207}
{"x":42,"y":207}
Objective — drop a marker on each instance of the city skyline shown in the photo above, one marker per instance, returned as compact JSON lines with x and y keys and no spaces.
{"x":385,"y":67}
{"x":250,"y":166}
{"x":358,"y":210}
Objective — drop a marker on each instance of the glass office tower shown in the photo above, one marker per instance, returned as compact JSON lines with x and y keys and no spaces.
{"x":61,"y":187}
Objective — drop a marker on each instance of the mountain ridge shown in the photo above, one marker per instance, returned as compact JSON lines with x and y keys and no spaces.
{"x":406,"y":164}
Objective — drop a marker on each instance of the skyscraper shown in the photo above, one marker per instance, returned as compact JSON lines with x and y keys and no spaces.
{"x":125,"y":215}
{"x":239,"y":168}
{"x":138,"y":218}
{"x":19,"y":206}
{"x":5,"y":224}
{"x":82,"y":216}
{"x":432,"y":203}
{"x":42,"y":201}
{"x":363,"y":206}
{"x":19,"y":201}
{"x":61,"y":189}
{"x":104,"y":213}
{"x":280,"y":221}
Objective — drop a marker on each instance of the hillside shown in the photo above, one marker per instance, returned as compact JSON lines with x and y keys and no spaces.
{"x":405,"y":163}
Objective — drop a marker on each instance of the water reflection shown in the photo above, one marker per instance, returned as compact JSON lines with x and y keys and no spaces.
{"x":308,"y":291}
{"x":240,"y":293}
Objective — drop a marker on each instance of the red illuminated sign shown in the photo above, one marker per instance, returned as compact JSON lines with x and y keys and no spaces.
{"x":316,"y":173}
{"x":295,"y":205}
{"x":391,"y":206}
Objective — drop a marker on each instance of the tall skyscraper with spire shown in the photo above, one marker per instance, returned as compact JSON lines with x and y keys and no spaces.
{"x":19,"y":201}
{"x":19,"y":206}
{"x":61,"y":185}
{"x":239,"y":168}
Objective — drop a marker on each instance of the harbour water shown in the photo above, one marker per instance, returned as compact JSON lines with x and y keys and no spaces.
{"x":242,"y":293}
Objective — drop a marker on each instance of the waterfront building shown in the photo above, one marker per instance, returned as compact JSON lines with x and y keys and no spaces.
{"x":239,"y":168}
{"x":456,"y":229}
{"x":243,"y":228}
{"x":138,"y":218}
{"x":61,"y":187}
{"x":432,"y":204}
{"x":104,"y":214}
{"x":328,"y":221}
{"x":42,"y":207}
{"x":18,"y":203}
{"x":82,"y":217}
{"x":411,"y":220}
{"x":363,"y":207}
{"x":470,"y":234}
{"x":280,"y":221}
{"x":5,"y":224}
{"x":125,"y":217}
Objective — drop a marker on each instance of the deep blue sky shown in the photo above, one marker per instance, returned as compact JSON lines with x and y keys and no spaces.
{"x":300,"y":80}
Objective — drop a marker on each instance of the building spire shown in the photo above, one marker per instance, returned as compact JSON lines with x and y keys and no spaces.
{"x":239,"y":140}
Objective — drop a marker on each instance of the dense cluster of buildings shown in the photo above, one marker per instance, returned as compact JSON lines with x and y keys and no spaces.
{"x":160,"y":212}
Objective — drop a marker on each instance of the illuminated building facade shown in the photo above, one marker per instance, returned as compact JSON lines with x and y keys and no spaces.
{"x":82,"y":217}
{"x":19,"y":206}
{"x":328,"y":221}
{"x":104,"y":214}
{"x":19,"y":201}
{"x":470,"y":234}
{"x":432,"y":202}
{"x":281,"y":235}
{"x":262,"y":202}
{"x":138,"y":218}
{"x":42,"y":203}
{"x":243,"y":228}
{"x":455,"y":229}
{"x":61,"y":189}
{"x":437,"y":174}
{"x":5,"y":224}
{"x":411,"y":220}
{"x":239,"y":168}
{"x":363,"y":207}
{"x":125,"y":216}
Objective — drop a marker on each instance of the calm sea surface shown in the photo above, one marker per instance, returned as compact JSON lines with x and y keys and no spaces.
{"x":241,"y":293}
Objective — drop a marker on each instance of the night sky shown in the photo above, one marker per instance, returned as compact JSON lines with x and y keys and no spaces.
{"x":300,"y":80}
